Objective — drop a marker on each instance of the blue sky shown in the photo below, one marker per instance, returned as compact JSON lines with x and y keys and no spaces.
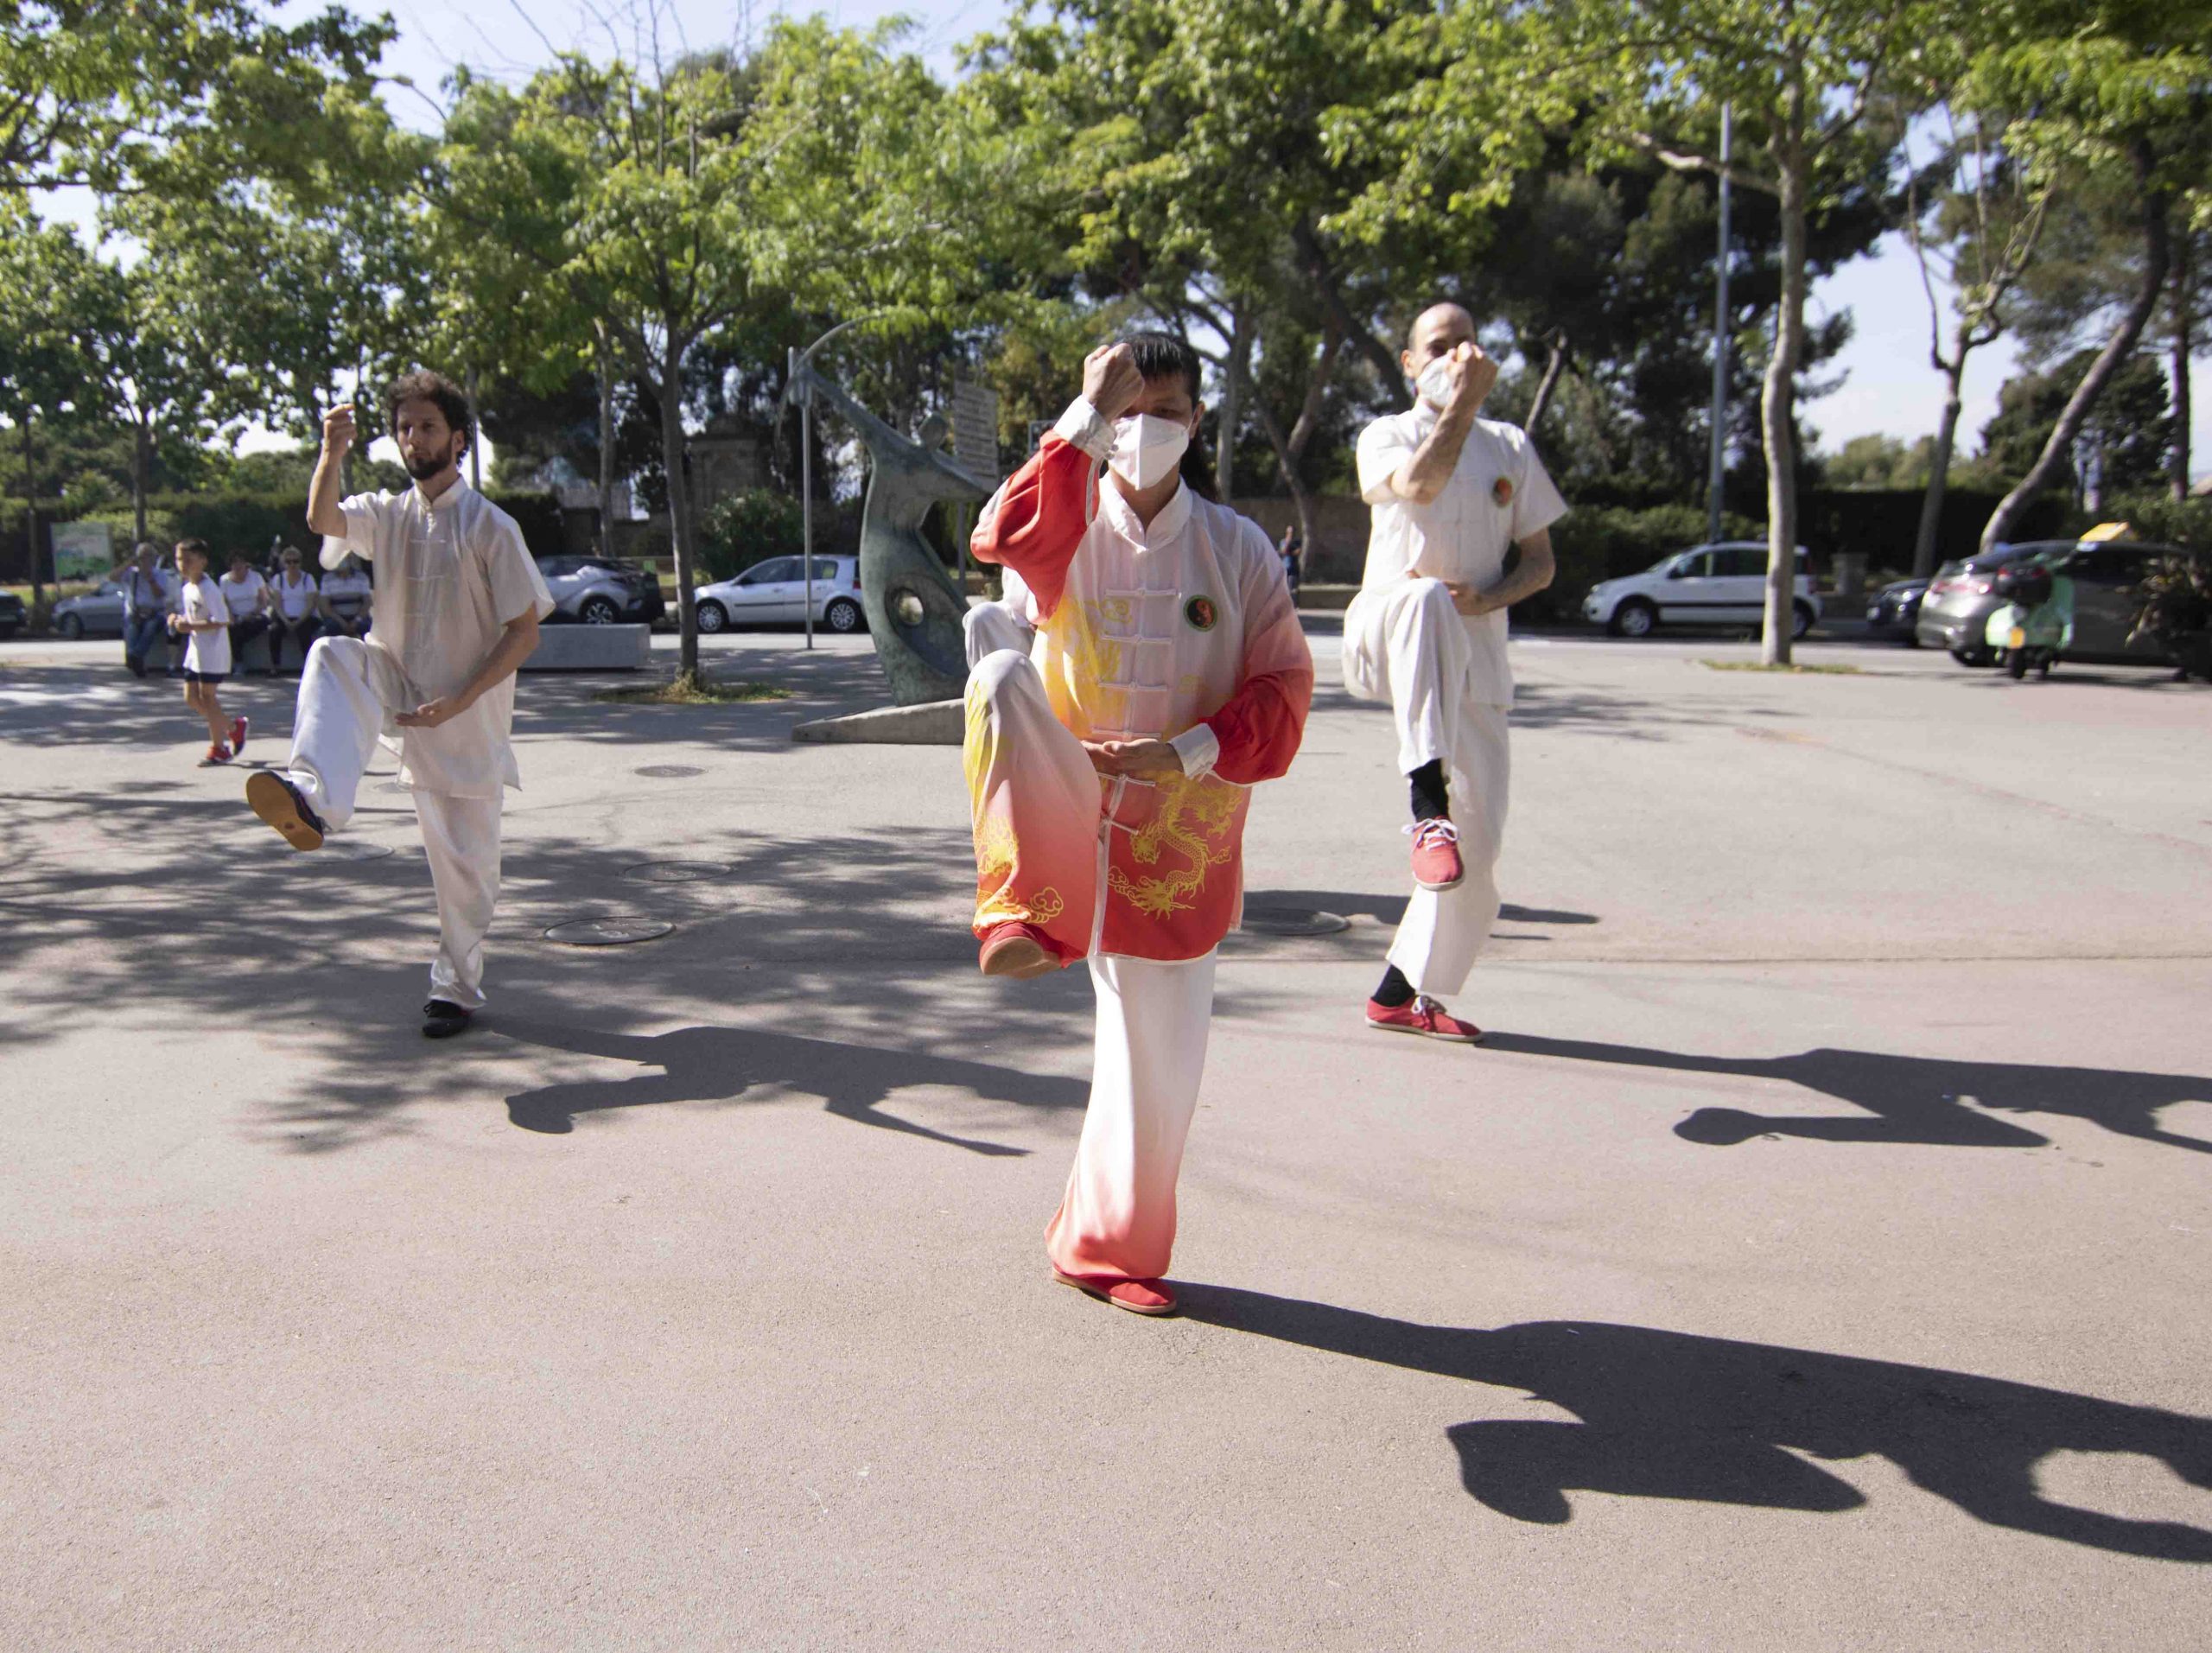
{"x":1888,"y":386}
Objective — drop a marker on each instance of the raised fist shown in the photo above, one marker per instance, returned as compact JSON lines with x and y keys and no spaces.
{"x":1474,"y":375}
{"x":1111,"y":383}
{"x":338,"y":428}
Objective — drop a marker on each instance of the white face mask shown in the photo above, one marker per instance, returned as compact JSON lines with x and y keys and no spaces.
{"x":1435,"y":383}
{"x":1147,"y":449}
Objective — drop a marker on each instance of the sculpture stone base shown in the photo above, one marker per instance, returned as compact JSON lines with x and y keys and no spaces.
{"x":931,"y":723}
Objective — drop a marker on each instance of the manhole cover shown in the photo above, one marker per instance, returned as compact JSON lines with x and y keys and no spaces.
{"x":354,"y":849}
{"x":674,"y":872}
{"x":606,"y":933}
{"x":669,"y":771}
{"x":1292,"y":921}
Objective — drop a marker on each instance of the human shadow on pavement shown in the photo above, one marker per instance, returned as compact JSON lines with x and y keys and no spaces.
{"x":726,"y":1063}
{"x":1665,"y":1415}
{"x":1907,"y":1099}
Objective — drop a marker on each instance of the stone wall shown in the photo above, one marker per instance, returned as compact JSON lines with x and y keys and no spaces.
{"x":1339,"y":548}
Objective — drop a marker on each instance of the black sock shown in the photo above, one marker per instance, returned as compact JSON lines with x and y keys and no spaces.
{"x":1430,"y":797}
{"x":1395,"y":991}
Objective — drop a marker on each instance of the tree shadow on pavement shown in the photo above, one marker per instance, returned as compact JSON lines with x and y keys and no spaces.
{"x":726,"y":1063}
{"x":1907,"y":1099}
{"x":170,"y":912}
{"x":1665,"y":1415}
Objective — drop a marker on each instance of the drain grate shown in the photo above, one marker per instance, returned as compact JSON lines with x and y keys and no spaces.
{"x":606,"y":933}
{"x":675,"y":871}
{"x":668,"y":772}
{"x":1292,"y":921}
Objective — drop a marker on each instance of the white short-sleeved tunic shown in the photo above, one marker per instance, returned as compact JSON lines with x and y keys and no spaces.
{"x":1498,"y":493}
{"x":450,"y":574}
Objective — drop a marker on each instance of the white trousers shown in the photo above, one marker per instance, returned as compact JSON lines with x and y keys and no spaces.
{"x":345,"y":690}
{"x":1117,"y":1217}
{"x":1408,"y":646}
{"x":990,"y":627}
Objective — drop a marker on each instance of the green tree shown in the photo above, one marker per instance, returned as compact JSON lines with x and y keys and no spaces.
{"x":104,"y":92}
{"x":2129,"y":429}
{"x":46,"y":281}
{"x":1977,"y":228}
{"x":2119,"y":99}
{"x":1816,"y":93}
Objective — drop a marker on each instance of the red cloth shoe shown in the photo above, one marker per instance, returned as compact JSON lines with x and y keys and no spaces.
{"x":216,"y":754}
{"x":1138,"y":1296}
{"x":237,"y":735}
{"x":1018,"y":950}
{"x":1424,"y":1016}
{"x":1436,"y":855}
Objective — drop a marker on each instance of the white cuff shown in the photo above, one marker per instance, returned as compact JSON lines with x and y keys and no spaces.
{"x":1081,"y":427}
{"x":1198,"y":747}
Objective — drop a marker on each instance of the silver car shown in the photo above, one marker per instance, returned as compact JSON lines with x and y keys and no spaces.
{"x":601,"y":590}
{"x":92,"y":613}
{"x":1963,"y":595}
{"x":774,"y":593}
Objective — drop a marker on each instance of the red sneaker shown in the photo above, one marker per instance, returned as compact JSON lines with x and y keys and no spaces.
{"x":216,"y":754}
{"x":237,"y":735}
{"x":1423,"y":1016}
{"x":1017,"y":950}
{"x":1436,"y":855}
{"x":1138,"y":1296}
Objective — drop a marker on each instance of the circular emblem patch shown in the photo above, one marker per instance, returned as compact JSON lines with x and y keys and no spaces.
{"x":1201,"y":613}
{"x":1502,"y":490}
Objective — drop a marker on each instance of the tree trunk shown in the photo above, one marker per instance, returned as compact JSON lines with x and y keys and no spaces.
{"x":475,"y":434}
{"x":1939,"y":463}
{"x":1237,"y":369}
{"x":606,"y":454}
{"x":2158,"y":258}
{"x":674,"y":461}
{"x":2184,"y":307}
{"x":1776,"y":404}
{"x":1556,"y":343}
{"x":141,"y":445}
{"x":1389,"y":375}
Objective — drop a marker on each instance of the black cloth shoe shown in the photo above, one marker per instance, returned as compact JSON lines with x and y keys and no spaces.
{"x":442,"y":1019}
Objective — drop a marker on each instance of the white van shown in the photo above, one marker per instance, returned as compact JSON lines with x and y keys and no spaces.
{"x":1719,"y":584}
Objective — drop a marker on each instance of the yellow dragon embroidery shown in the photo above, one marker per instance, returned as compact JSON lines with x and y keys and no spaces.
{"x":996,"y":849}
{"x":1192,"y":816}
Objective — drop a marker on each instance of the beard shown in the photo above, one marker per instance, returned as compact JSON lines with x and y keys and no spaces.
{"x":422,"y":467}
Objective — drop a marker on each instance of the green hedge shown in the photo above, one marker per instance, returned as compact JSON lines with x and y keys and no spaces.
{"x":1606,"y":542}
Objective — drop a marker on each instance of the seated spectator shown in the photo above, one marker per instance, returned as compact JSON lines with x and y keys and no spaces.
{"x":149,"y":592}
{"x":346,"y":595}
{"x":245,"y":597}
{"x":294,"y":610}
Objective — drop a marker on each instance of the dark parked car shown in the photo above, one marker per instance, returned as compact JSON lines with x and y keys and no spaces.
{"x":11,"y":613}
{"x":1895,"y":611}
{"x":1956,"y":610}
{"x":2106,"y":601}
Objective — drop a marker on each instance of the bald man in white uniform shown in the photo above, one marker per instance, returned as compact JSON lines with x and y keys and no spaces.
{"x":1450,"y":493}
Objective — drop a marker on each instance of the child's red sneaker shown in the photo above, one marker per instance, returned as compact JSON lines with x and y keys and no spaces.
{"x":216,"y":754}
{"x":1423,"y":1016}
{"x":1436,"y":855}
{"x":237,"y":735}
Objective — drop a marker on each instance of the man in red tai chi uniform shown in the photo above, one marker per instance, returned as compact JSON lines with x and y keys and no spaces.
{"x":1154,"y":672}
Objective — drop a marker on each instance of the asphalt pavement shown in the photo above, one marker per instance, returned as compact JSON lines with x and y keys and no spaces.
{"x":1815,"y":1256}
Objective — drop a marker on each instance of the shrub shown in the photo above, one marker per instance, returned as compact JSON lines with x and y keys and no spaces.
{"x":2161,"y":520}
{"x":1610,"y":541}
{"x":744,"y":528}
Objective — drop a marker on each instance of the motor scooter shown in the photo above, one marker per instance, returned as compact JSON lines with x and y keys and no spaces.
{"x":2035,"y":623}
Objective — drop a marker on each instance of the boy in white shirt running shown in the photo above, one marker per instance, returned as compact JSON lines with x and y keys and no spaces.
{"x":204,"y":620}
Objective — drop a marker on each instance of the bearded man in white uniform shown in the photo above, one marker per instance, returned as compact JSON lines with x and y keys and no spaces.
{"x":1451,"y":492}
{"x":457,"y":602}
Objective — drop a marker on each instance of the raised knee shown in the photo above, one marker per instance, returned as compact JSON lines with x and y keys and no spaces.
{"x":1001,"y":672}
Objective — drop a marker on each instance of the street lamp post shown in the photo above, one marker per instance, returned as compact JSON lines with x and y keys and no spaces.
{"x":799,"y":387}
{"x":1719,"y":466}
